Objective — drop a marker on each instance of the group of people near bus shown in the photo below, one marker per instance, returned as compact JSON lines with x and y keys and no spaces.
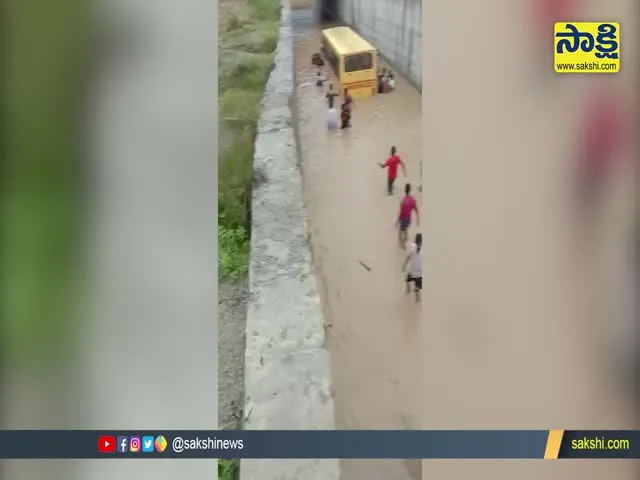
{"x":408,"y":204}
{"x":386,"y":81}
{"x":345,"y":107}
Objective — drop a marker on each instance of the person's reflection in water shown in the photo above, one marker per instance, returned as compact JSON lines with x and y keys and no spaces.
{"x":345,"y":114}
{"x":332,"y":113}
{"x":415,"y":271}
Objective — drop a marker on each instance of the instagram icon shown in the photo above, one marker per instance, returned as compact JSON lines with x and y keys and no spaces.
{"x":134,"y":444}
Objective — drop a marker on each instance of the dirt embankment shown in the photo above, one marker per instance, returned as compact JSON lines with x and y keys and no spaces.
{"x":248,"y":32}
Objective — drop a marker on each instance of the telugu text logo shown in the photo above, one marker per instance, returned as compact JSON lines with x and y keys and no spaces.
{"x":588,"y":47}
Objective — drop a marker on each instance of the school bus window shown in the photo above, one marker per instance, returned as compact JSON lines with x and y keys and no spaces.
{"x":356,"y":63}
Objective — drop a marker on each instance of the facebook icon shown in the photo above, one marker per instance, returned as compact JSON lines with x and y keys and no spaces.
{"x":122,"y":444}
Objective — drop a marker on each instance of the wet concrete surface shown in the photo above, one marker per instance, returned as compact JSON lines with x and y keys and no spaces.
{"x":287,"y":368}
{"x":371,"y":324}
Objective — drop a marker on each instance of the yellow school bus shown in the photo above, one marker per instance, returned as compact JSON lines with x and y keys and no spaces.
{"x":353,"y":59}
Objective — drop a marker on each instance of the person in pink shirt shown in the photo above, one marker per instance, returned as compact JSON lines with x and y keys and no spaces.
{"x":408,"y":205}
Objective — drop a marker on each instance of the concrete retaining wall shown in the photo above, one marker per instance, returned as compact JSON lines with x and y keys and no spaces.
{"x":287,"y":377}
{"x":394,"y":27}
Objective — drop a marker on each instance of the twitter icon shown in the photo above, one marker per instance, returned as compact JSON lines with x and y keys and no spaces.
{"x":147,"y":444}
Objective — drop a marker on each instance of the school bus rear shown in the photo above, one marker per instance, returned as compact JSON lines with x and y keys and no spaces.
{"x":353,"y":59}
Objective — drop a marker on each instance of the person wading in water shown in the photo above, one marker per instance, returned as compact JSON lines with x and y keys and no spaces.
{"x":392,"y":164}
{"x":415,"y":271}
{"x":408,"y":205}
{"x":332,"y":113}
{"x":345,"y":114}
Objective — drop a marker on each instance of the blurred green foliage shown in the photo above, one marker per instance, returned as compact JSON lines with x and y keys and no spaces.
{"x":39,"y":102}
{"x":227,"y":469}
{"x":248,"y":39}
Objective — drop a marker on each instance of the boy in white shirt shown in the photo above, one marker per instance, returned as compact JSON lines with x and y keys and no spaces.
{"x":332,"y":114}
{"x":415,"y":271}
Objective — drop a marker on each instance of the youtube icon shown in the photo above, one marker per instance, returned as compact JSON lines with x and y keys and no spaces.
{"x":106,"y":444}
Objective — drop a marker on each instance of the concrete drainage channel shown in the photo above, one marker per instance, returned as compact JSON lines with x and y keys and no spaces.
{"x":287,"y":376}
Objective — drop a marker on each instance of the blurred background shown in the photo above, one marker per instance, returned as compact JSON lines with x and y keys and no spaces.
{"x":109,"y":223}
{"x":531,"y":223}
{"x":43,"y":198}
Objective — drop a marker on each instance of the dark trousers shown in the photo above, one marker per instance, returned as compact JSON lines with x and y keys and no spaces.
{"x":390,"y":182}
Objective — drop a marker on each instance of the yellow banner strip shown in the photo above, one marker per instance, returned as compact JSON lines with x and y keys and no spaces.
{"x":554,"y":440}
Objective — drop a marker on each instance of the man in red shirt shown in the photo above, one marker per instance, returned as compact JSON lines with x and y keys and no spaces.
{"x":392,"y":164}
{"x":407,"y":206}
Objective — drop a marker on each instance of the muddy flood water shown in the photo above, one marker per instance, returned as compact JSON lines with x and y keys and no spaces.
{"x":371,"y":324}
{"x":380,"y":360}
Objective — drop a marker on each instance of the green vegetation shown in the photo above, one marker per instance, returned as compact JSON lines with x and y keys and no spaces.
{"x":44,"y":60}
{"x":248,"y":39}
{"x":227,"y":469}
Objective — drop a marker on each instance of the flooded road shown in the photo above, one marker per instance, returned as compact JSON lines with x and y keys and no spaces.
{"x":371,"y":324}
{"x":521,"y":307}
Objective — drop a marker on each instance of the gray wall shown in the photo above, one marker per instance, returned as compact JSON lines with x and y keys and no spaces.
{"x":394,"y":27}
